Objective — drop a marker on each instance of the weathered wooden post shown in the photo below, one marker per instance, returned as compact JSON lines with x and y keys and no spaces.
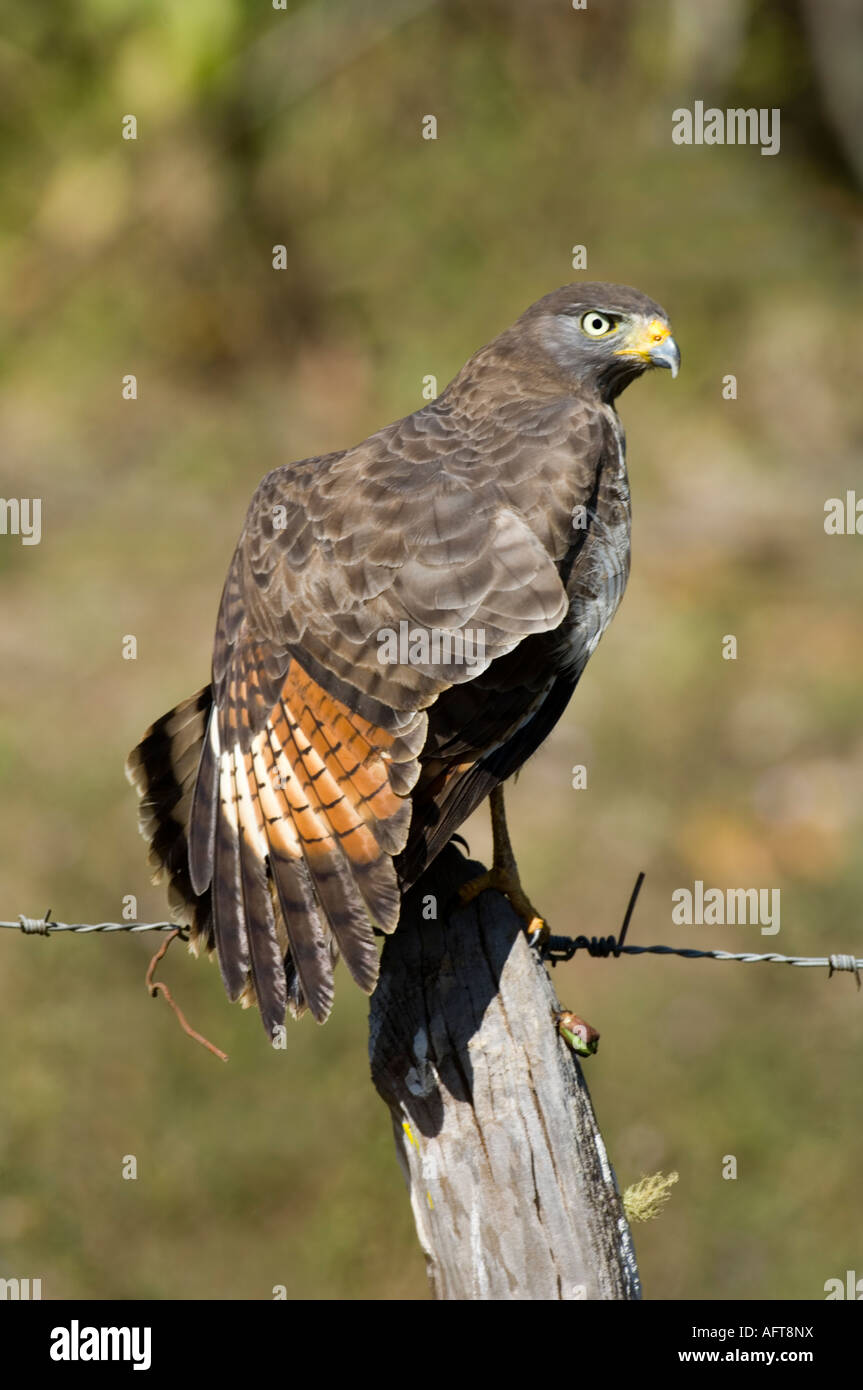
{"x":511,"y":1188}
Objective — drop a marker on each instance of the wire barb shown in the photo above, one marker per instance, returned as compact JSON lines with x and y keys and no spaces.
{"x":34,"y":926}
{"x":846,"y":963}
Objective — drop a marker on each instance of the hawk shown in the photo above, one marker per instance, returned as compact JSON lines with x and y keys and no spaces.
{"x":402,"y":625}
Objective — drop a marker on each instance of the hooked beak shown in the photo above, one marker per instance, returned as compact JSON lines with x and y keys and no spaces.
{"x":666,"y":354}
{"x":655,"y":346}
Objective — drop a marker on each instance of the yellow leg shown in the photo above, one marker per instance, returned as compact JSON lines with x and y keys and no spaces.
{"x":503,"y":875}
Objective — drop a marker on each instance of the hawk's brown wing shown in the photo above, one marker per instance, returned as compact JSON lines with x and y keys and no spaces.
{"x":452,"y":519}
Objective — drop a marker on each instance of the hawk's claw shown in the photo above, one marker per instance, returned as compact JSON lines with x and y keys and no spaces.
{"x":538,"y":933}
{"x":506,"y":881}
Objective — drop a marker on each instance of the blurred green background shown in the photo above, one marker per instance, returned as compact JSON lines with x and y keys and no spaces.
{"x":259,"y":127}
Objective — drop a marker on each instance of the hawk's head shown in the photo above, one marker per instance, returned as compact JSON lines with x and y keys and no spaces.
{"x":602,"y":336}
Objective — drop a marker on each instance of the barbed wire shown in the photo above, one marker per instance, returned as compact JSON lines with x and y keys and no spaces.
{"x":45,"y":926}
{"x":562,"y":948}
{"x":555,"y":949}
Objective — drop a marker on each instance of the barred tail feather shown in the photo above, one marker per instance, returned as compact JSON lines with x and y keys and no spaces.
{"x":278,"y":841}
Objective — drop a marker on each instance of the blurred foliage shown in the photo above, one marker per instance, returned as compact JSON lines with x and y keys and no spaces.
{"x":302,"y":127}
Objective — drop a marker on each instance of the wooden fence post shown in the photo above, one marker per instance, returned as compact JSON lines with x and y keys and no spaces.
{"x":512,"y":1192}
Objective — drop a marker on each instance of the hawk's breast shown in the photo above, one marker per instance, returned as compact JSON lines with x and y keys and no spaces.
{"x":600,"y":567}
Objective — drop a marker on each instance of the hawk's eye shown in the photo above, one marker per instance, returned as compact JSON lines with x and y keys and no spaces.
{"x":596,"y":325}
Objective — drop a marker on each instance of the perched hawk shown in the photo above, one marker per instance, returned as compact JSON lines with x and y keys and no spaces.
{"x":402,"y":625}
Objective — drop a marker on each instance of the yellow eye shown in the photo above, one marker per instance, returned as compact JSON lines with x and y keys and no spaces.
{"x":596,"y":325}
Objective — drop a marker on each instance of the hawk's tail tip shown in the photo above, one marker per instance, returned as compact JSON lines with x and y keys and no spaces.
{"x":162,"y":768}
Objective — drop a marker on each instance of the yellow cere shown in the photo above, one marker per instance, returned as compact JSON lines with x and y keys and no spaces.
{"x":644,"y":338}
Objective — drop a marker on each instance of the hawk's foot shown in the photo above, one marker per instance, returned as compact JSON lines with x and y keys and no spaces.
{"x":505,"y":880}
{"x":503,"y":875}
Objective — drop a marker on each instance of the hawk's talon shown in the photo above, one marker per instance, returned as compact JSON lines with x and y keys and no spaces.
{"x":538,"y":933}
